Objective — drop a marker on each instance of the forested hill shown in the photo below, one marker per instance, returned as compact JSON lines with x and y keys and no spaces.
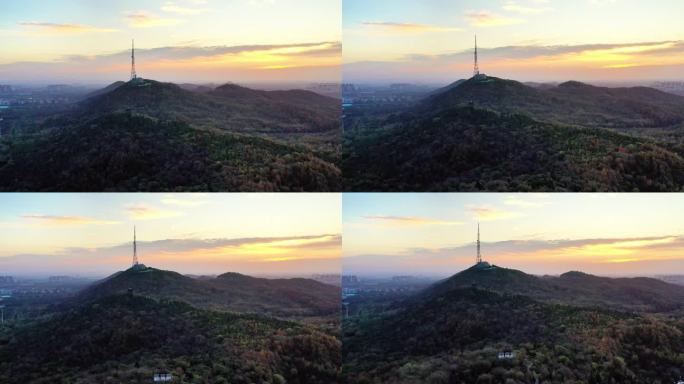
{"x":290,"y":298}
{"x":455,"y":331}
{"x":572,"y":288}
{"x":570,"y":103}
{"x":465,"y":148}
{"x":151,"y":136}
{"x":501,"y":135}
{"x":229,"y":107}
{"x":128,"y":338}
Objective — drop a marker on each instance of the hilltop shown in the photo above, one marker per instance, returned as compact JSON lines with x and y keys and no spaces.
{"x":128,"y":338}
{"x":558,"y":329}
{"x":291,"y":298}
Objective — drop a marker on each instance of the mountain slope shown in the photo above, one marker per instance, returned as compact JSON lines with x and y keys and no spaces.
{"x":469,"y":149}
{"x":571,"y":103}
{"x":572,"y":288}
{"x":229,"y":107}
{"x":292,"y":298}
{"x":125,"y":152}
{"x":452,"y":334}
{"x":128,"y":338}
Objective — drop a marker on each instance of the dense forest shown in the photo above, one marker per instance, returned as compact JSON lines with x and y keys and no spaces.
{"x":228,"y":329}
{"x":130,"y":152}
{"x":501,"y":135}
{"x":454,"y":334}
{"x":154,"y":136}
{"x":128,"y":338}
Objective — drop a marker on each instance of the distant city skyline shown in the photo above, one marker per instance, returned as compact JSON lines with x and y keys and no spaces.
{"x":80,"y":42}
{"x":434,"y":234}
{"x":91,"y":235}
{"x":528,"y":40}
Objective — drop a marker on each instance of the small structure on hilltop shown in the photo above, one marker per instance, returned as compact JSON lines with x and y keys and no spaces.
{"x":162,"y":377}
{"x":506,"y":354}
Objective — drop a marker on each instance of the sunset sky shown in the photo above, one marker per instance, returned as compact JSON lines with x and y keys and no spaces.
{"x":91,"y":234}
{"x":83,"y":41}
{"x":528,"y":40}
{"x":434,"y":234}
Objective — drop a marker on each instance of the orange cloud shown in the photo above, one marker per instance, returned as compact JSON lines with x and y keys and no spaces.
{"x":58,"y":28}
{"x":66,"y":220}
{"x":148,"y":212}
{"x":409,"y":27}
{"x":411,"y":220}
{"x":143,"y":19}
{"x":490,"y":213}
{"x":490,"y":19}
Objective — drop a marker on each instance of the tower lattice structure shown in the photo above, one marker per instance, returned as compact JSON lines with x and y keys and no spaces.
{"x":135,"y":249}
{"x":479,"y":255}
{"x":476,"y":67}
{"x":133,"y":74}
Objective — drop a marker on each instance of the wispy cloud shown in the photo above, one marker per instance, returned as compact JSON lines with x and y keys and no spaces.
{"x":65,"y":220}
{"x":180,"y":9}
{"x":486,"y":212}
{"x":185,"y":200}
{"x":517,"y":7}
{"x":527,"y":201}
{"x":534,"y":256}
{"x":585,"y":62}
{"x":389,"y":26}
{"x":148,"y":212}
{"x":58,"y":28}
{"x":306,"y":253}
{"x":410,"y":220}
{"x":490,"y":19}
{"x":144,"y":19}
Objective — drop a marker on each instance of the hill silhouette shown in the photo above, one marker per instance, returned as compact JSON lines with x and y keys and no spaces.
{"x":154,"y":136}
{"x":291,"y":298}
{"x":128,"y":338}
{"x":454,"y":331}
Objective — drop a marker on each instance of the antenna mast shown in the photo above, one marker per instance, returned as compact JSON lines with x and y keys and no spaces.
{"x":476,"y":68}
{"x":135,"y":249}
{"x":133,"y":74}
{"x":479,"y":255}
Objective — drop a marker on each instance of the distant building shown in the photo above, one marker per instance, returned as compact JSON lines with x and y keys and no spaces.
{"x":350,"y":280}
{"x":59,"y":278}
{"x":402,"y":278}
{"x":162,"y":377}
{"x":6,"y":280}
{"x":506,"y":354}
